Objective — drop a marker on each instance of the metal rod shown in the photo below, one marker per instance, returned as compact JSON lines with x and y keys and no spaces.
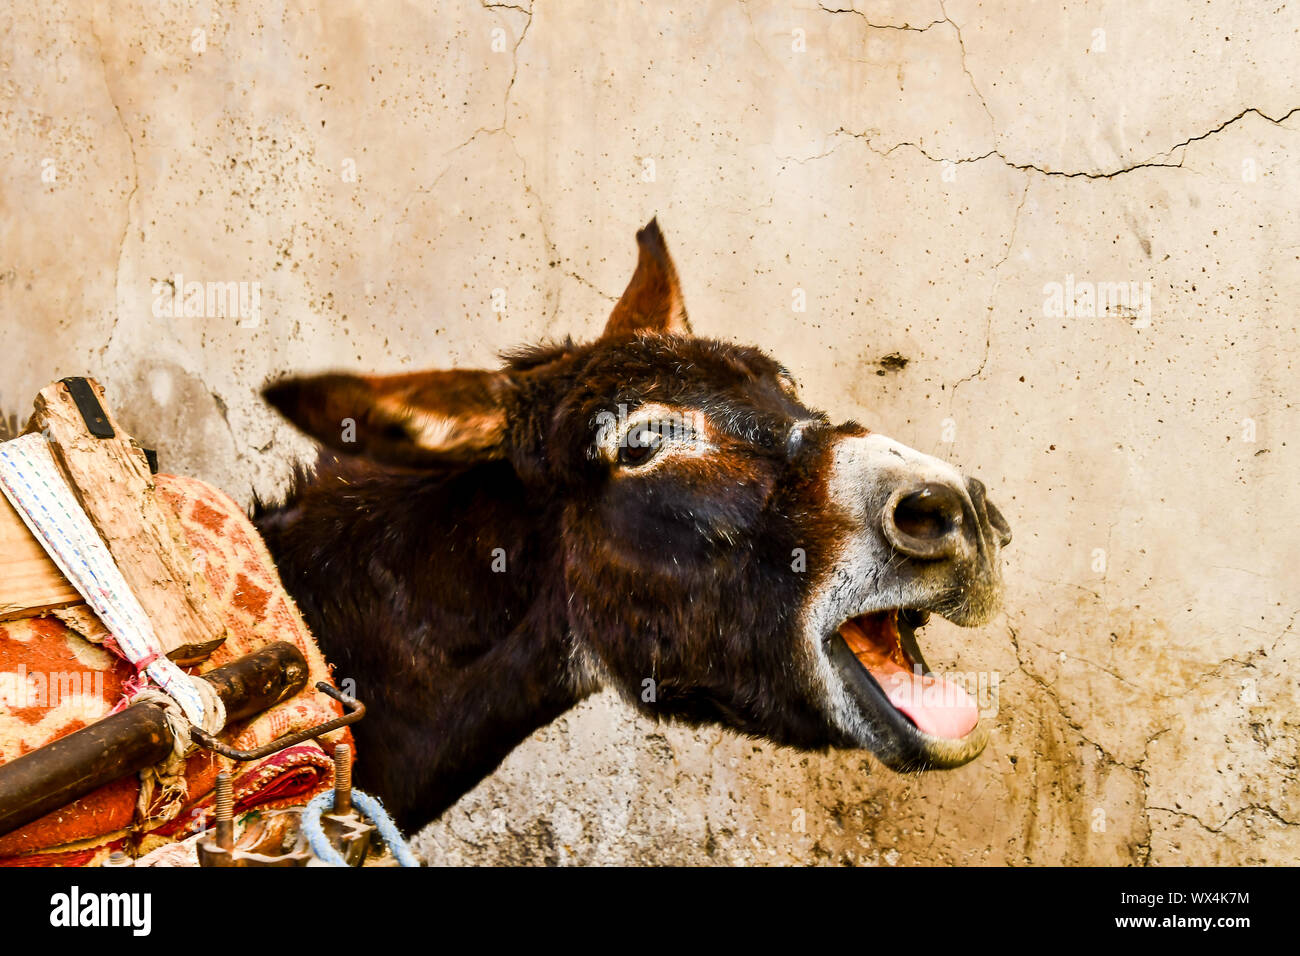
{"x":355,"y":711}
{"x":225,"y":812}
{"x":342,"y":780}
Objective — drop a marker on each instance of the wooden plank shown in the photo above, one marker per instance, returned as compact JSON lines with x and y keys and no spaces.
{"x":30,"y":583}
{"x":82,"y":619}
{"x":111,"y":479}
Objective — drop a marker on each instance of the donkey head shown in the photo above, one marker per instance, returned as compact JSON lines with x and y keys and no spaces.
{"x":725,"y":553}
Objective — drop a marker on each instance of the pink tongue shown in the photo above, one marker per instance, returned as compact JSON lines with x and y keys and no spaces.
{"x":937,"y":706}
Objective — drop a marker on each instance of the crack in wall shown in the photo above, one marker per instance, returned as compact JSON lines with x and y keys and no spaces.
{"x":886,"y":26}
{"x":993,"y":292}
{"x":552,"y":250}
{"x":1070,"y":722}
{"x":1250,"y":659}
{"x":1257,"y":807}
{"x":865,"y":136}
{"x":965,"y":69}
{"x":1027,"y":168}
{"x":911,"y":29}
{"x":1141,"y":849}
{"x":1110,"y":673}
{"x":514,"y":52}
{"x":753,"y":29}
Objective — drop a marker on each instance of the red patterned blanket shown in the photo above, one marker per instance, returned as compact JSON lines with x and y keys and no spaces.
{"x":54,"y":681}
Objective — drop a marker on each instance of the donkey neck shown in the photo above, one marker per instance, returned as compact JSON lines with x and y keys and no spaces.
{"x":440,"y":597}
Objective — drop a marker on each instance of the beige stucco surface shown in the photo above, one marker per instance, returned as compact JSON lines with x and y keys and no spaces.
{"x":922,"y":172}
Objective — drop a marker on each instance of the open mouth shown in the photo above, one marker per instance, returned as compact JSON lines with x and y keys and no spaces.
{"x":933,"y":722}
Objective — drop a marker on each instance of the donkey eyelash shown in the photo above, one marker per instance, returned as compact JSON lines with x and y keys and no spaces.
{"x":643,"y":441}
{"x":640,"y":445}
{"x":666,"y":427}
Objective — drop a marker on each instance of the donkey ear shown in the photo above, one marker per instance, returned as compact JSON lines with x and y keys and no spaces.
{"x":653,"y":299}
{"x":418,"y":419}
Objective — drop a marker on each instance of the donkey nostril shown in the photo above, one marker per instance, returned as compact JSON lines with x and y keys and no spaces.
{"x":932,"y":512}
{"x":925,"y":522}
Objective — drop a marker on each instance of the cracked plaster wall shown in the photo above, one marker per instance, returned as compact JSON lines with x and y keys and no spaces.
{"x":922,"y":171}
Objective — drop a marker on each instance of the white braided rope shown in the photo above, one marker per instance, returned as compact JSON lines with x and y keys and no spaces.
{"x":32,"y":481}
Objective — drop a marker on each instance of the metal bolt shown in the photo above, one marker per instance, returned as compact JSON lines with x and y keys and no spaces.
{"x":225,"y":836}
{"x":342,"y":779}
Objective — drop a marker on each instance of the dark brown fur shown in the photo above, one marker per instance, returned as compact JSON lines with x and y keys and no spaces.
{"x":458,"y":663}
{"x":674,"y":584}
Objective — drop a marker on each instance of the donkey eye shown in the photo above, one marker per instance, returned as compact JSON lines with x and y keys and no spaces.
{"x":642,"y":444}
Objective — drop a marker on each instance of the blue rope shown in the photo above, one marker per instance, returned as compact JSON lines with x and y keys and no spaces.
{"x":372,"y":808}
